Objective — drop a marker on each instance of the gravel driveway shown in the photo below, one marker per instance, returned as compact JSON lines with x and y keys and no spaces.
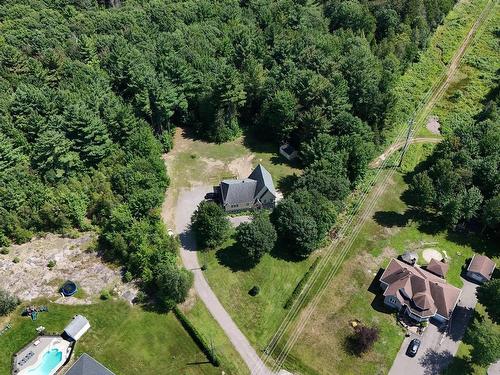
{"x":186,"y":204}
{"x":437,"y":348}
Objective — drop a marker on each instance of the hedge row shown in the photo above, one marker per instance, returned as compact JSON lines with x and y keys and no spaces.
{"x":298,"y":289}
{"x":197,"y":337}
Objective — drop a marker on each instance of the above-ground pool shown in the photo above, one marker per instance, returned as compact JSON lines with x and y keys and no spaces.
{"x":69,"y":288}
{"x":51,"y":361}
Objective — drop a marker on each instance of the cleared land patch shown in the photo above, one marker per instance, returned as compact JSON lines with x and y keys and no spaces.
{"x":25,"y":270}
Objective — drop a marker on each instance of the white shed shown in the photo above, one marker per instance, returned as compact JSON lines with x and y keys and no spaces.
{"x":77,"y":327}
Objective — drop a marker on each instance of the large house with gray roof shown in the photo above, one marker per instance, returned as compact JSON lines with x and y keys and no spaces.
{"x":256,"y":191}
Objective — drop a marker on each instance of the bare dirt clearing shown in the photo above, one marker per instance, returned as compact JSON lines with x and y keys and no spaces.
{"x":433,"y":125}
{"x":31,"y":278}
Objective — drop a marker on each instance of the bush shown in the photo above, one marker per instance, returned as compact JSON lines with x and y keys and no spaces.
{"x":210,"y":225}
{"x":8,"y":302}
{"x":197,"y":337}
{"x":16,"y":260}
{"x":254,"y":291}
{"x":298,"y":289}
{"x":4,"y":250}
{"x":362,"y":340}
{"x":105,"y":295}
{"x":52,"y":263}
{"x":257,"y":237}
{"x":127,"y":277}
{"x":172,"y":283}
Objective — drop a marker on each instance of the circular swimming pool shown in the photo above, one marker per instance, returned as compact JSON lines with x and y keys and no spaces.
{"x":69,"y":288}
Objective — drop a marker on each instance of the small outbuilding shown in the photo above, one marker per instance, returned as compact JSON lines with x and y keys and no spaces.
{"x":438,"y":268}
{"x":288,"y":151}
{"x":480,"y":268}
{"x":409,"y":257}
{"x":77,"y":327}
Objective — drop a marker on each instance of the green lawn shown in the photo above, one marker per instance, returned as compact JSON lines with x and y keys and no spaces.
{"x":128,"y":340}
{"x":210,"y":329}
{"x":258,"y":317}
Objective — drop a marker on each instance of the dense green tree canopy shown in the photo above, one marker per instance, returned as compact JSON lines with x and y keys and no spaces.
{"x":488,"y":295}
{"x":210,"y":225}
{"x":461,"y":182}
{"x":257,"y":237}
{"x":88,"y":88}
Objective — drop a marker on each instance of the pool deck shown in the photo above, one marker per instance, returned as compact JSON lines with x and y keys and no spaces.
{"x":31,"y":354}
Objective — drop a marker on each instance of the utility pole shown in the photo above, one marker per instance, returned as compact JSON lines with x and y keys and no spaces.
{"x":408,"y":136}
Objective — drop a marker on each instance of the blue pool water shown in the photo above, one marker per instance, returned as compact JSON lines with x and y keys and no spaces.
{"x":50,"y":361}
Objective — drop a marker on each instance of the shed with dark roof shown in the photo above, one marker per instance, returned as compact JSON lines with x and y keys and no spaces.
{"x":480,"y":268}
{"x":86,"y":365}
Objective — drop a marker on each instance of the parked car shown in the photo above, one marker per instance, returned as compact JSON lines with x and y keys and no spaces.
{"x":210,"y":196}
{"x":413,"y":347}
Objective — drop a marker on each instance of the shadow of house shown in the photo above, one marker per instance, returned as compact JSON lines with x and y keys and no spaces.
{"x":435,"y":362}
{"x":378,"y":301}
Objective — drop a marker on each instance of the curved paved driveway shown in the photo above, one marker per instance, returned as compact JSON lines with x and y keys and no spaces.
{"x":186,"y":204}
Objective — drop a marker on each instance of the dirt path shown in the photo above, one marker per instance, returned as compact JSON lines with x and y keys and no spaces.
{"x":399,"y":145}
{"x":301,"y":312}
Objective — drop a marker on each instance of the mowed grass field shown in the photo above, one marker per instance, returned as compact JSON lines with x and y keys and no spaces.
{"x":260,"y":316}
{"x":127,"y":340}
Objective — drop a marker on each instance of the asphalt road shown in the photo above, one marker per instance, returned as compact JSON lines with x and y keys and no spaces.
{"x":438,"y":347}
{"x":186,"y":204}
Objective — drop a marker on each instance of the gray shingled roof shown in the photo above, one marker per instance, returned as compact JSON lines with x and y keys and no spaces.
{"x":246,"y":191}
{"x":86,"y":365}
{"x":238,"y":191}
{"x":263,"y":178}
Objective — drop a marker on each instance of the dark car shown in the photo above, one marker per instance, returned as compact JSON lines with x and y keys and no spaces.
{"x":210,"y":196}
{"x":413,"y":347}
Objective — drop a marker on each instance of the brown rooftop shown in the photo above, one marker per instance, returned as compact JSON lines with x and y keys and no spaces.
{"x":482,"y":265}
{"x":424,"y":293}
{"x":437,"y":268}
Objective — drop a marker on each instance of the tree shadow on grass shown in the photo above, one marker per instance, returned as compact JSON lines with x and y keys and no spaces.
{"x":435,"y":362}
{"x":427,"y":222}
{"x":390,"y":219}
{"x":281,"y":251}
{"x":233,"y":258}
{"x":285,"y":184}
{"x":480,"y":244}
{"x":459,"y":366}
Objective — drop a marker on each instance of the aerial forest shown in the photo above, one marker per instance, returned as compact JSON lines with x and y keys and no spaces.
{"x":91,"y":91}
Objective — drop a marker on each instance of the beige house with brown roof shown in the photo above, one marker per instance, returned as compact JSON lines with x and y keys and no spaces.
{"x":419,"y":293}
{"x":480,"y":268}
